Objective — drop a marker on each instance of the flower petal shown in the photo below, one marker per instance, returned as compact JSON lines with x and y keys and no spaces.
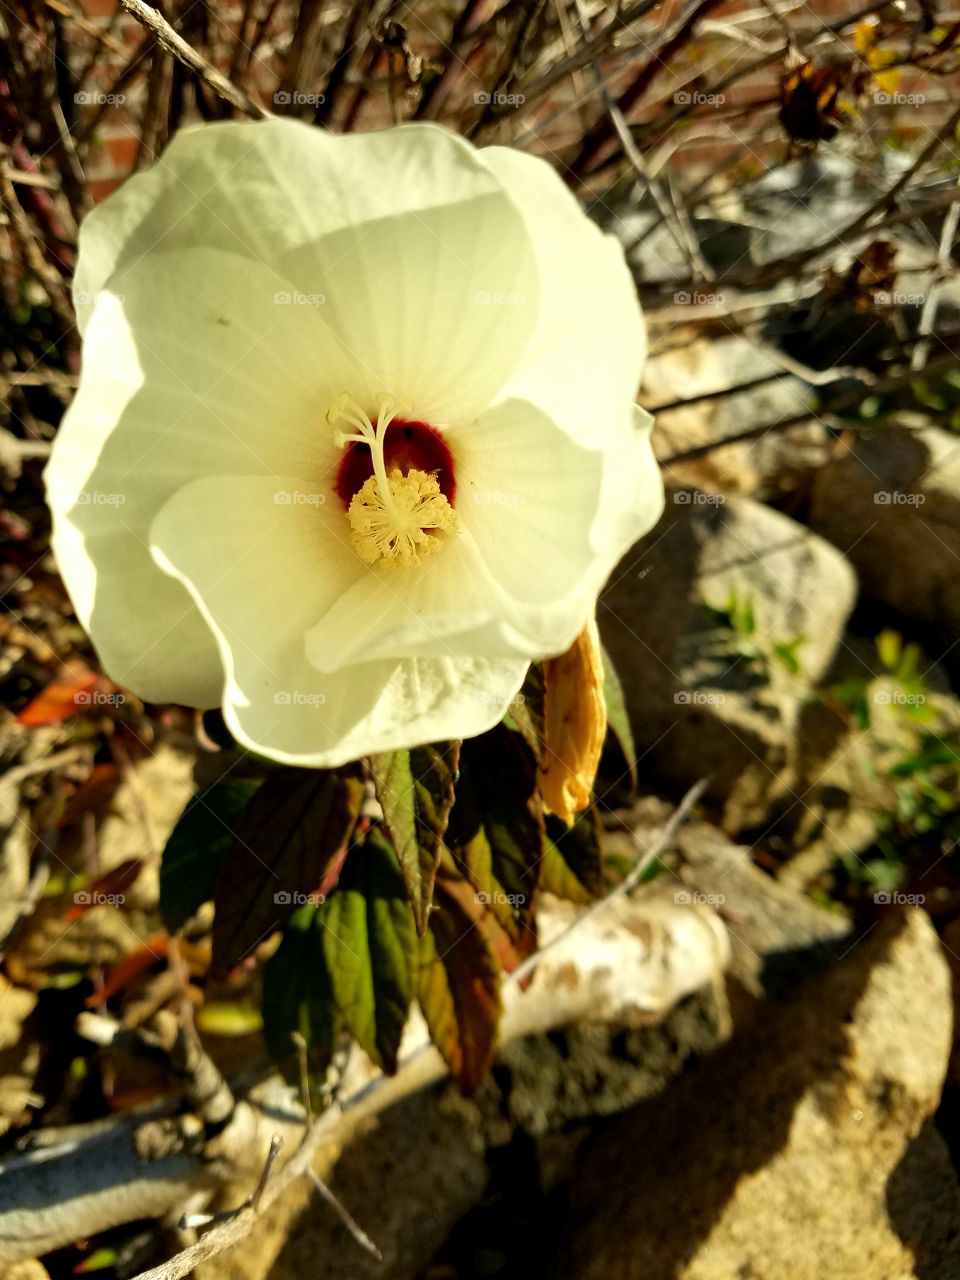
{"x":262,"y":575}
{"x":422,"y":258}
{"x":448,"y":604}
{"x":584,"y":361}
{"x":194,"y":370}
{"x":551,"y":519}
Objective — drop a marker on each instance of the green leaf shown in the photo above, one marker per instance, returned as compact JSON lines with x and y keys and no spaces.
{"x":198,"y":847}
{"x":298,"y":997}
{"x":618,"y":720}
{"x":415,"y":790}
{"x":290,"y":844}
{"x":889,"y":646}
{"x":459,"y":987}
{"x":99,"y":1260}
{"x":573,"y":862}
{"x":222,"y":1018}
{"x":371,"y":950}
{"x":496,"y":831}
{"x":785,"y":651}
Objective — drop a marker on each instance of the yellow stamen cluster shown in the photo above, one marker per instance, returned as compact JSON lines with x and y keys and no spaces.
{"x":398,"y":518}
{"x":407,"y":527}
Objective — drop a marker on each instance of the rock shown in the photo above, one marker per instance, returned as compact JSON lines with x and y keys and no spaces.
{"x":803,"y":1150}
{"x":771,"y":465}
{"x":143,"y":812}
{"x":720,"y":623}
{"x":420,"y":1164}
{"x":891,"y":503}
{"x":777,"y":935}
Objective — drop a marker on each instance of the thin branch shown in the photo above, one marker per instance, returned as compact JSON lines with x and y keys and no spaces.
{"x":643,"y":864}
{"x":845,"y":401}
{"x":174,"y":44}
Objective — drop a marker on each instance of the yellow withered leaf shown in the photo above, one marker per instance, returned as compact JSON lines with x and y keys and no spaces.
{"x":574,"y":725}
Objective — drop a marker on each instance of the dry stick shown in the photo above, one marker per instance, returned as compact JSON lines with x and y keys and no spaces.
{"x":51,"y":280}
{"x":174,"y":44}
{"x":768,"y":274}
{"x":83,"y":23}
{"x":666,"y":114}
{"x":244,"y":39}
{"x":367,"y":60}
{"x":432,"y":98}
{"x":530,"y":16}
{"x":628,"y":884}
{"x":597,"y":136}
{"x":192,"y":1220}
{"x":227,"y":1234}
{"x":582,"y":57}
{"x":84,"y":132}
{"x":928,"y":315}
{"x":685,"y":241}
{"x":155,"y":109}
{"x":862,"y":224}
{"x":358,"y":1233}
{"x":341,"y":63}
{"x":301,"y":47}
{"x":848,"y":399}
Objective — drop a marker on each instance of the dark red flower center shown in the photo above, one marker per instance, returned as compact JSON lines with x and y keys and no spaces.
{"x":407,"y":446}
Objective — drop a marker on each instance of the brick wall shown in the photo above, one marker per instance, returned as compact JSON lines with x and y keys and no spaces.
{"x":722,"y":131}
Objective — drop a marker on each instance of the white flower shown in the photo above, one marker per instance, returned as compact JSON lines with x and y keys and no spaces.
{"x":364,"y":406}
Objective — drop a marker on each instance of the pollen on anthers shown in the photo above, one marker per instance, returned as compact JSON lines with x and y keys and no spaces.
{"x":397,"y":488}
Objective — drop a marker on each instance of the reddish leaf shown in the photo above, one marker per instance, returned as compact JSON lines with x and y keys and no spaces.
{"x":496,"y":830}
{"x":130,"y":969}
{"x":62,"y":698}
{"x":107,"y":890}
{"x":459,"y":988}
{"x":92,"y":793}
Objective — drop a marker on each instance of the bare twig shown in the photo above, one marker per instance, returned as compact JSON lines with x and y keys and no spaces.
{"x":174,"y":44}
{"x":643,"y":864}
{"x":845,"y":401}
{"x":358,"y":1233}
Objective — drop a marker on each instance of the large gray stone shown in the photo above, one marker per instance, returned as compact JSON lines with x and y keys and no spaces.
{"x":703,"y":700}
{"x":891,"y":504}
{"x":805,"y":1150}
